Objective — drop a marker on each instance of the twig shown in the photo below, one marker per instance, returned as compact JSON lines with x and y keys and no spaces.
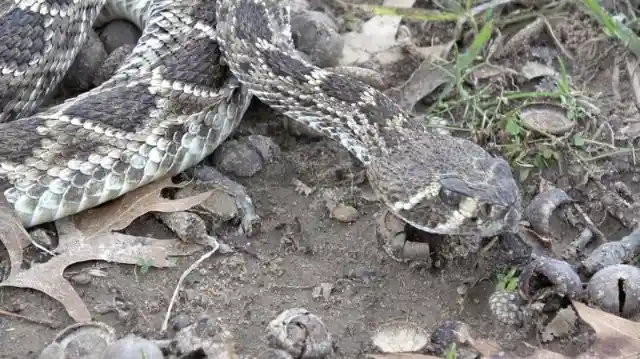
{"x":300,"y":287}
{"x":555,"y":39}
{"x":184,"y":275}
{"x":589,"y":223}
{"x":40,"y":246}
{"x":47,"y":323}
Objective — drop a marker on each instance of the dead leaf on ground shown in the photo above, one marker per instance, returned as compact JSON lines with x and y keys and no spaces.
{"x":616,"y":337}
{"x":422,"y":82}
{"x":89,"y":236}
{"x":12,"y":235}
{"x":119,"y":213}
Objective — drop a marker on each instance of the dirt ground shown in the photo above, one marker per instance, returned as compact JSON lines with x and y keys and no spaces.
{"x":247,"y":289}
{"x":278,"y":269}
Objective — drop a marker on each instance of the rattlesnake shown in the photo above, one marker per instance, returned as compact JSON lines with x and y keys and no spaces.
{"x":185,"y":88}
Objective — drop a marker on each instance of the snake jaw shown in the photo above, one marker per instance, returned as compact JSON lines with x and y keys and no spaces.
{"x":425,"y":181}
{"x":429,"y":217}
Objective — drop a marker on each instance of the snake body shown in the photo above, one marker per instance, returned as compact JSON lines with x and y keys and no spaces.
{"x":184,"y":89}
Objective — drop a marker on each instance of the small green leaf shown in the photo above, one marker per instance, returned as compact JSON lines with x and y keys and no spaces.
{"x":144,"y":265}
{"x":512,"y":128}
{"x":547,"y":153}
{"x":578,"y":140}
{"x":540,"y":161}
{"x":451,"y":353}
{"x":512,"y":285}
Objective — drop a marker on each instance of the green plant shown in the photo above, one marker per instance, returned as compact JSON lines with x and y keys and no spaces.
{"x":508,"y":281}
{"x":144,"y":265}
{"x":451,"y":352}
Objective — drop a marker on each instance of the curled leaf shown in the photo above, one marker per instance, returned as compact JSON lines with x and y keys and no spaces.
{"x":616,"y":338}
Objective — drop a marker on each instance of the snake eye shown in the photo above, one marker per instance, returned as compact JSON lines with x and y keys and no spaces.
{"x":450,"y":197}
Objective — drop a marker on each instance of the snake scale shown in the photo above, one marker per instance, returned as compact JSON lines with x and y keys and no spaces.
{"x":184,"y":89}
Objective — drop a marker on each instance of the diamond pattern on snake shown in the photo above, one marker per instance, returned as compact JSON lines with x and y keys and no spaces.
{"x":184,"y":89}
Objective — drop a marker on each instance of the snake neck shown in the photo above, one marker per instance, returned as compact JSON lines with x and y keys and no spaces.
{"x":354,"y":131}
{"x":260,"y":54}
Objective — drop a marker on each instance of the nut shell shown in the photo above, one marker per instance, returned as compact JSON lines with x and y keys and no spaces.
{"x":545,"y":276}
{"x":300,"y":333}
{"x":507,"y":307}
{"x":616,"y":289}
{"x":400,"y":337}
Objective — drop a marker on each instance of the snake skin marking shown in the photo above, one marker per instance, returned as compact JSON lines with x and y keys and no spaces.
{"x":174,"y":101}
{"x":436,"y":183}
{"x":169,"y":105}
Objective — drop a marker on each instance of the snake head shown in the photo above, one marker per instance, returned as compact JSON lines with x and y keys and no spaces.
{"x":446,"y":185}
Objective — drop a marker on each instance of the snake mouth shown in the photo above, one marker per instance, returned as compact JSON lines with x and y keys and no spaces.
{"x":463,"y":223}
{"x":508,"y":223}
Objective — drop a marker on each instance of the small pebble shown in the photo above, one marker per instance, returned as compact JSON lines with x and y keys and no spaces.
{"x":345,"y":213}
{"x":208,"y":336}
{"x":246,"y":156}
{"x":180,"y":322}
{"x":79,"y":77}
{"x":221,"y":204}
{"x":153,"y":306}
{"x":549,"y":118}
{"x":316,"y":35}
{"x":82,"y":278}
{"x":118,"y":33}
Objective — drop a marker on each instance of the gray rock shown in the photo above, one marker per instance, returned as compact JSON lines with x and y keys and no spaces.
{"x":180,"y":322}
{"x":316,"y":35}
{"x":118,"y":33}
{"x":246,"y":156}
{"x":79,"y":78}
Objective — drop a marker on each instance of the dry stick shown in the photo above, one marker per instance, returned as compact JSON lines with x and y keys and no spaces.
{"x":30,"y":320}
{"x":184,"y":275}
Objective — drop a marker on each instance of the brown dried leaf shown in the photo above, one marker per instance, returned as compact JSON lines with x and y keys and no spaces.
{"x":422,"y":82}
{"x":119,"y":213}
{"x":94,"y":240}
{"x":615,"y":337}
{"x":12,"y":234}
